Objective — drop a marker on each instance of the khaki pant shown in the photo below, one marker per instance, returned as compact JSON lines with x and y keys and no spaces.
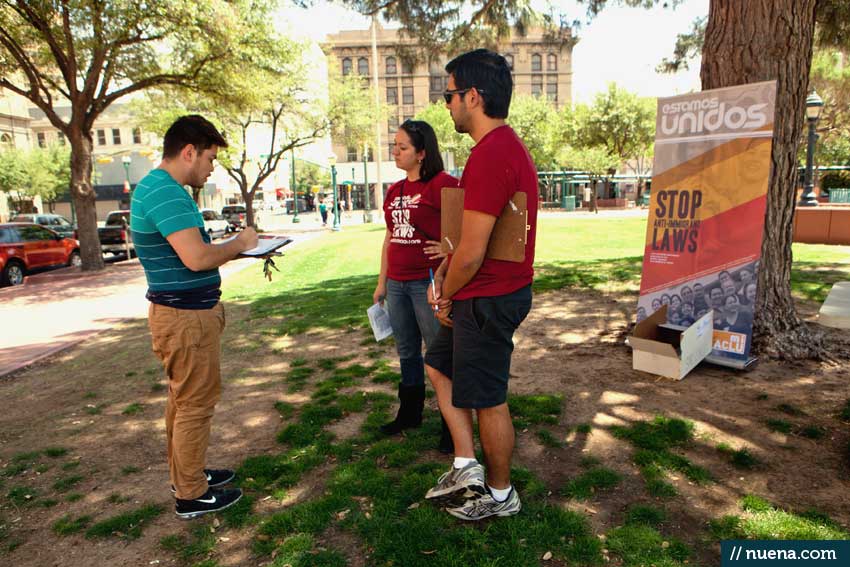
{"x":188,"y":342}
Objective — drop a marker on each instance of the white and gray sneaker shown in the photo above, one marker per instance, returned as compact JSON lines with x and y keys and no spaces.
{"x":486,"y":506}
{"x":466,"y":482}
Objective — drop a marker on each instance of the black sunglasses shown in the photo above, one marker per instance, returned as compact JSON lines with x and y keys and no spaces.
{"x":448,"y":94}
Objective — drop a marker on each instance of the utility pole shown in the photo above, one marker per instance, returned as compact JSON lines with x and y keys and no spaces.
{"x":379,"y":147}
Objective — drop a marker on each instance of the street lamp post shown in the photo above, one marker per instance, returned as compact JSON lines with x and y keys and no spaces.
{"x":295,"y":218}
{"x":336,"y":226}
{"x":126,"y":161}
{"x":814,"y":105}
{"x":367,"y":211}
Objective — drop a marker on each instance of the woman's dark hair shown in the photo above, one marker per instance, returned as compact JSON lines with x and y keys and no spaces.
{"x":423,"y":138}
{"x":490,"y":74}
{"x":193,"y":129}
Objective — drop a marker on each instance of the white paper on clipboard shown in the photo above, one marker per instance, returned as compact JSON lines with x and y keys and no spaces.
{"x":380,"y":321}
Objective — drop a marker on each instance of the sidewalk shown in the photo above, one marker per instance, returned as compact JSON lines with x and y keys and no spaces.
{"x":56,"y":310}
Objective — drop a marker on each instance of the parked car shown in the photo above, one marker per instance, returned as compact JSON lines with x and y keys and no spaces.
{"x":56,"y":223}
{"x":235,"y":215}
{"x":115,"y":234}
{"x":27,"y":246}
{"x":214,"y":223}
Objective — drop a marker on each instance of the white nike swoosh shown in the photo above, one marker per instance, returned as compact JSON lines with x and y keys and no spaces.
{"x":209,"y":478}
{"x":210,"y":501}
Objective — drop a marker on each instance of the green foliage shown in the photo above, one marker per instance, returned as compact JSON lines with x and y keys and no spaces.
{"x":762,"y":520}
{"x":619,"y":121}
{"x":66,"y":525}
{"x":654,"y":441}
{"x":645,"y":515}
{"x":55,"y":452}
{"x":127,"y":525}
{"x":536,"y":122}
{"x":133,"y":409}
{"x":37,"y":172}
{"x":534,"y":409}
{"x":199,"y":543}
{"x":22,"y":495}
{"x":639,"y":545}
{"x":65,"y":483}
{"x":587,"y":484}
{"x":548,"y":439}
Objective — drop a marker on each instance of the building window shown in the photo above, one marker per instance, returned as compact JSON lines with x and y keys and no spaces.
{"x":346,"y":66}
{"x":6,"y":139}
{"x":101,"y":137}
{"x":392,"y":124}
{"x":60,"y":138}
{"x":390,"y":155}
{"x":368,"y":154}
{"x":406,"y":67}
{"x":116,"y":136}
{"x":42,"y":141}
{"x":407,"y":117}
{"x":552,"y":92}
{"x":351,"y":154}
{"x":510,"y":59}
{"x":551,"y":62}
{"x":536,"y":63}
{"x":363,"y":66}
{"x":407,"y":95}
{"x":392,"y":95}
{"x":537,"y":85}
{"x":391,"y":66}
{"x":137,"y":135}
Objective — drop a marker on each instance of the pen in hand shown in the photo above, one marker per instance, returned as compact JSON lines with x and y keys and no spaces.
{"x":433,"y":288}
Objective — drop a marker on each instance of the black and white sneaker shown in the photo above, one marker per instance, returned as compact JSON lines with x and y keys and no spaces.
{"x":214,"y":500}
{"x":215,"y":478}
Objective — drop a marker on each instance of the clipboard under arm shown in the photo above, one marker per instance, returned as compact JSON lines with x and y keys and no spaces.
{"x":510,"y":233}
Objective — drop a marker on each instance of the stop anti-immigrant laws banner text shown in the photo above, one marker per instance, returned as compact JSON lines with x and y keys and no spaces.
{"x":706,"y":219}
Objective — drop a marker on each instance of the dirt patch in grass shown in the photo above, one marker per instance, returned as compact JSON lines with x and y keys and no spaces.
{"x":570,"y":346}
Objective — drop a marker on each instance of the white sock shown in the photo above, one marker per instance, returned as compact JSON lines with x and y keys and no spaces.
{"x":461,"y":462}
{"x":500,"y":494}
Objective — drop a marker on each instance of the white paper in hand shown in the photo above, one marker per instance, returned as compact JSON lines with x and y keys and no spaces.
{"x":380,"y":321}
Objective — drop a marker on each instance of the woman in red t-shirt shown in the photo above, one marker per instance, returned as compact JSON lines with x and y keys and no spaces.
{"x":412,"y":248}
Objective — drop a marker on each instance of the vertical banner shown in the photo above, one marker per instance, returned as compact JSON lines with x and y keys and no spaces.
{"x":706,"y":219}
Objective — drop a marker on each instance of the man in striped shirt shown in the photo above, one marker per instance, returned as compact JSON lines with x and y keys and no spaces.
{"x":185,"y":317}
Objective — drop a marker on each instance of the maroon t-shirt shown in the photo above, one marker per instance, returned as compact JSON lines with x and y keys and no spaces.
{"x":498,"y":167}
{"x":412,"y":214}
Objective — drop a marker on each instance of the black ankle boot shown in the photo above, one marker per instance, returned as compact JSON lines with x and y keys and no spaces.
{"x":411,"y":401}
{"x":446,"y":445}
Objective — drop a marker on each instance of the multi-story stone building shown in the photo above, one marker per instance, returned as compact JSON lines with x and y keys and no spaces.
{"x":540,"y":67}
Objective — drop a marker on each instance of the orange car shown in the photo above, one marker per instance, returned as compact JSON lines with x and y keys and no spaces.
{"x":27,"y":246}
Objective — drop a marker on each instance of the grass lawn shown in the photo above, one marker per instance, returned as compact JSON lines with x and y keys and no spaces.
{"x":332,"y":487}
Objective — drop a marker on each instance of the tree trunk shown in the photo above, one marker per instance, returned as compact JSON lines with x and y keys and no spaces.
{"x":762,"y":40}
{"x":593,"y":206}
{"x":82,"y":192}
{"x":248,"y":199}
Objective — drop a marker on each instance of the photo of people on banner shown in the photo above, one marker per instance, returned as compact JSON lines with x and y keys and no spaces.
{"x":730,"y":293}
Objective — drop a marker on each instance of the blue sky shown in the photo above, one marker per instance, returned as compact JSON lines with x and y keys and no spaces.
{"x":621,"y":45}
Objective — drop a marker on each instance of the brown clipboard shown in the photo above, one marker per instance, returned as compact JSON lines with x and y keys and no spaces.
{"x":507,"y":241}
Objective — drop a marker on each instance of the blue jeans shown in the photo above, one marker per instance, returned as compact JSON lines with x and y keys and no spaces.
{"x":412,"y":321}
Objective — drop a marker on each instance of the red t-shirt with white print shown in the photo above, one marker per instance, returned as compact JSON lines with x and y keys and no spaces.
{"x":499,"y":166}
{"x":412,"y":214}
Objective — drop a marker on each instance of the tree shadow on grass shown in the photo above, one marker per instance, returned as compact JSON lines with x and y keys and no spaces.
{"x":333,"y":304}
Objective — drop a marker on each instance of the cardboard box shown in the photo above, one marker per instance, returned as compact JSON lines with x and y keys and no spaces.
{"x":660,"y":349}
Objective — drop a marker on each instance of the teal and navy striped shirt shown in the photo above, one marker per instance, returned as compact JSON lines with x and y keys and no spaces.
{"x":160,"y":207}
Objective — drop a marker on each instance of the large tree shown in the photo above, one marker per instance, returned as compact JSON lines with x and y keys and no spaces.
{"x":37,"y":172}
{"x":83,"y":55}
{"x":450,"y":140}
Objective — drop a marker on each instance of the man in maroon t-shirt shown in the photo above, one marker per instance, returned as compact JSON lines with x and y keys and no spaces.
{"x":480,"y":301}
